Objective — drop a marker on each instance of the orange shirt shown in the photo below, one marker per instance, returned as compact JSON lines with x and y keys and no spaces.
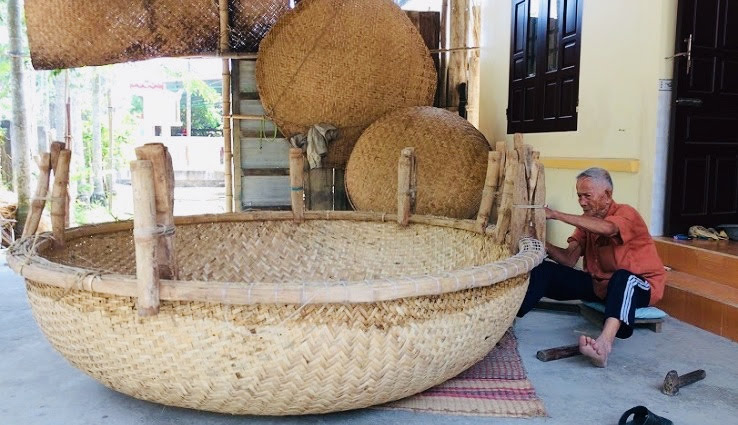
{"x":631,"y":249}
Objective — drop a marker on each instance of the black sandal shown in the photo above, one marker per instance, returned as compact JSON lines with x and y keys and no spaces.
{"x":643,"y":416}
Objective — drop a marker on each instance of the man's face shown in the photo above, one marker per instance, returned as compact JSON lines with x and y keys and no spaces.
{"x":594,"y":197}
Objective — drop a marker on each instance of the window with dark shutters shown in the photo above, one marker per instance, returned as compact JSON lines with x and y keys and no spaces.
{"x":544,"y":65}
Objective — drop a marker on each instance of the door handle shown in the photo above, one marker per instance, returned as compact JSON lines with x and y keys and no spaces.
{"x":689,"y":101}
{"x":687,"y":54}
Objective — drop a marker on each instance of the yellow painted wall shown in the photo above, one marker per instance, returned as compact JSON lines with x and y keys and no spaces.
{"x":624,"y":44}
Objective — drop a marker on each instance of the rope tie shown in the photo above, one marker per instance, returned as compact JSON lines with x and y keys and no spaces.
{"x":148,"y":233}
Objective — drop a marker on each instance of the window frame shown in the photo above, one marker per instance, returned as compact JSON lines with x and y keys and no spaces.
{"x":558,"y":114}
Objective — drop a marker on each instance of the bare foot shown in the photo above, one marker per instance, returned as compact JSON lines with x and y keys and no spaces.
{"x":596,"y":349}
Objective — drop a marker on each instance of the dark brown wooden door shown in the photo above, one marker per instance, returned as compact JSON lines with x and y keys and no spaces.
{"x":703,"y":155}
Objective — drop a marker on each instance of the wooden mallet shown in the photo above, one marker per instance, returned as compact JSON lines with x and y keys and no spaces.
{"x":558,"y":353}
{"x":673,"y":381}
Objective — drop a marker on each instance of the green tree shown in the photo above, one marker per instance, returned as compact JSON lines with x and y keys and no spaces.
{"x":18,"y":135}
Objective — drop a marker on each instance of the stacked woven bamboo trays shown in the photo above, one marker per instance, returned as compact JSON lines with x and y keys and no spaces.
{"x":277,"y":313}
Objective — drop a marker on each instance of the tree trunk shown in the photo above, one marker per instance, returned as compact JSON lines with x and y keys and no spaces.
{"x":59,"y":116}
{"x":43,"y":117}
{"x":19,"y":137}
{"x":98,"y":188}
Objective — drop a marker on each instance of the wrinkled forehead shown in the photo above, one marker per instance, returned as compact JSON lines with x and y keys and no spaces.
{"x":588,"y":185}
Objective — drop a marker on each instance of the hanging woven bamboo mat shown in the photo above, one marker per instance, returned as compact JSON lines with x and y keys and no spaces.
{"x":343,"y":62}
{"x":496,"y":386}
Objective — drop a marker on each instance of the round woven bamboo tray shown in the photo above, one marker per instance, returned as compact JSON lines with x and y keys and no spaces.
{"x":274,"y":317}
{"x":451,"y":157}
{"x":342,"y":62}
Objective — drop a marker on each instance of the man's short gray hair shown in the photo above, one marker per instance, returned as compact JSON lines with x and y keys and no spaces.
{"x":597,"y":174}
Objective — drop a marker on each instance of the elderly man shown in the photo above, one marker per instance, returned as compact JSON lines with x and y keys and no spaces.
{"x":621,"y":266}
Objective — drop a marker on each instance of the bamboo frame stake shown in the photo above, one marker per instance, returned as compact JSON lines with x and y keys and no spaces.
{"x":161,"y":160}
{"x":533,"y":178}
{"x":145,"y":236}
{"x":297,"y":189}
{"x":519,"y":223}
{"x":501,"y":147}
{"x":539,"y":198}
{"x":491,"y":182}
{"x":39,"y":200}
{"x":59,"y":197}
{"x":56,"y":147}
{"x":406,"y":185}
{"x":504,"y":213}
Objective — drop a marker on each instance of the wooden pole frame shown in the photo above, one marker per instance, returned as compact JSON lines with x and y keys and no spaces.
{"x":297,"y":189}
{"x":146,"y":238}
{"x":223,"y":47}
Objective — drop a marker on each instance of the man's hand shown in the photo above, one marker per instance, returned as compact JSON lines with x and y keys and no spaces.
{"x":551,"y":214}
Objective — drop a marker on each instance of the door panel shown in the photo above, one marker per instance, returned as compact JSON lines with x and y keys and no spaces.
{"x":703,"y":154}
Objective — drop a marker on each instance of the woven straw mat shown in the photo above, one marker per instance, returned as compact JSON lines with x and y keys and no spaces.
{"x":277,"y":359}
{"x":343,"y":62}
{"x":451,"y":158}
{"x":74,"y":33}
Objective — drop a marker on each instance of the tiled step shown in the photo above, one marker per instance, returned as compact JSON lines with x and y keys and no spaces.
{"x":714,"y":261}
{"x":704,"y":303}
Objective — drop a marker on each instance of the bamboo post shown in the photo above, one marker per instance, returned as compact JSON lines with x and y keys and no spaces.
{"x":224,"y":47}
{"x":406,"y":185}
{"x":500,"y":147}
{"x":297,"y":190}
{"x":161,"y":160}
{"x":504,"y":213}
{"x":490,"y":189}
{"x":56,"y":147}
{"x":472,"y":107}
{"x":39,"y":200}
{"x":59,"y":197}
{"x":443,"y":57}
{"x":539,"y":198}
{"x":459,"y":25}
{"x":145,"y":235}
{"x":519,"y":223}
{"x":227,"y":151}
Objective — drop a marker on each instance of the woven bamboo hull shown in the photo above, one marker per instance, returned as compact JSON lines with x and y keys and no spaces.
{"x":246,"y":360}
{"x":276,"y":358}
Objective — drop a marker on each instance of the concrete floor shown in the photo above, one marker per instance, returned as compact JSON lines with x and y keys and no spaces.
{"x":38,"y":387}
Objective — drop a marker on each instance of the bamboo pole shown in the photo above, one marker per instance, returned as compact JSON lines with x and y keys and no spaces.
{"x":539,"y":198}
{"x":519,"y":223}
{"x":59,"y":197}
{"x":227,"y":151}
{"x":472,"y":107}
{"x":223,"y":47}
{"x":406,"y":185}
{"x":145,"y":237}
{"x":443,"y":57}
{"x":504,"y":212}
{"x":500,"y":147}
{"x":459,"y":28}
{"x":490,"y":189}
{"x":56,"y":147}
{"x":39,"y":200}
{"x":297,"y":189}
{"x":161,"y":160}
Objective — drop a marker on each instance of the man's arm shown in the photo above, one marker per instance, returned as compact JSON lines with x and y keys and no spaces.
{"x":566,"y":256}
{"x":588,"y":223}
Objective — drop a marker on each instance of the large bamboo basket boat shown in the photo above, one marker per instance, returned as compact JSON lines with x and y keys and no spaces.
{"x":278,"y":313}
